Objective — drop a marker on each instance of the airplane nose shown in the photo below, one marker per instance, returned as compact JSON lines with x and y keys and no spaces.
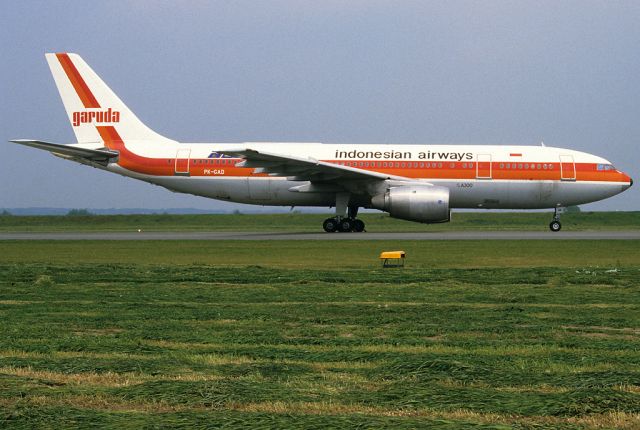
{"x":625,"y":187}
{"x":626,"y":178}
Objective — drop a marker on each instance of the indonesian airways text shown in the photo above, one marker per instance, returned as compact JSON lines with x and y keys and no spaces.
{"x":403,"y":155}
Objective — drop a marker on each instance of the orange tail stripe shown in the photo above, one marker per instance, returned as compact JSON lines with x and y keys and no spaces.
{"x":110,"y":137}
{"x":83,"y":91}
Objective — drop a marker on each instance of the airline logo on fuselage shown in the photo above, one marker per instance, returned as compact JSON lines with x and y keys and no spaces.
{"x":88,"y":117}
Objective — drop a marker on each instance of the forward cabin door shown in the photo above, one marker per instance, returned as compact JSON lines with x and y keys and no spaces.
{"x":483,"y":166}
{"x":182,"y":162}
{"x":567,"y":168}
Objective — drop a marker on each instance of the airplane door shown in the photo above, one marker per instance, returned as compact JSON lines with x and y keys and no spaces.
{"x":567,"y":168}
{"x":483,"y":166}
{"x":182,"y":162}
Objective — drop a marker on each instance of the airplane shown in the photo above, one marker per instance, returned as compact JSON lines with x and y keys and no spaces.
{"x":419,"y":183}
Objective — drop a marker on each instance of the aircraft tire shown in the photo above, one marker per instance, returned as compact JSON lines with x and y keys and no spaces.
{"x":345,"y":226}
{"x":358,"y":226}
{"x":330,"y":225}
{"x":555,"y":226}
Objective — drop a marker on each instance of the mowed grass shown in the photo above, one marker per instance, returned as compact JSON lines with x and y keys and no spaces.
{"x":294,"y":222}
{"x":329,"y":255}
{"x":471,"y":334}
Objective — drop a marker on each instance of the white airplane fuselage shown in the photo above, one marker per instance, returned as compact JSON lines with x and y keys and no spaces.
{"x":496,"y":177}
{"x":414,"y":182}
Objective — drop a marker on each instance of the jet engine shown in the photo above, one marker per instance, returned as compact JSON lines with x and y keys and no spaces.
{"x":427,"y":204}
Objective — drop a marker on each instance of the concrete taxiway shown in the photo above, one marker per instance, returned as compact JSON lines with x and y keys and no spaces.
{"x":457,"y":235}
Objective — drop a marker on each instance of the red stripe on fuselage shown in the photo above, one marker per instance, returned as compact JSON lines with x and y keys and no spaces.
{"x":131,"y":161}
{"x":437,"y":170}
{"x":81,"y":87}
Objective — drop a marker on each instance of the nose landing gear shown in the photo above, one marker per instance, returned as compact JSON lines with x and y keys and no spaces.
{"x":555,"y":224}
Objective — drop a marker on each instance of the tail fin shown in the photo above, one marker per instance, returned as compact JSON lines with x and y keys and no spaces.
{"x":92,"y":105}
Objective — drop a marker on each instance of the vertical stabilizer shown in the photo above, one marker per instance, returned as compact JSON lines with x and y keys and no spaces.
{"x":92,"y":106}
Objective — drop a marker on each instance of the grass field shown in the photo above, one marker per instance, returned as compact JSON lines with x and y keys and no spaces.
{"x":376,"y":222}
{"x":486,"y":334}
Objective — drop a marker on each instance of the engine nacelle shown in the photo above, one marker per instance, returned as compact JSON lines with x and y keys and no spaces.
{"x":427,"y":204}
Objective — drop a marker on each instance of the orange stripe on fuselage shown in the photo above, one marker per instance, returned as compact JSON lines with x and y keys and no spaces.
{"x":197,"y":167}
{"x":130,"y":160}
{"x":83,"y":91}
{"x":584,"y":171}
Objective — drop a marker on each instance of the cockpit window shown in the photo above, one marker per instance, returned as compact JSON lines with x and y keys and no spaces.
{"x":606,"y":167}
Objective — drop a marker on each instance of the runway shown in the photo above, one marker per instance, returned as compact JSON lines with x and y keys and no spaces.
{"x":454,"y":235}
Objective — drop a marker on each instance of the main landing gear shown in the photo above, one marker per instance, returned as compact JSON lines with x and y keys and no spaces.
{"x":555,"y":224}
{"x":344,"y":224}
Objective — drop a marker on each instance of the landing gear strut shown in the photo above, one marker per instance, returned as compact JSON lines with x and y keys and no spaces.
{"x":555,"y":224}
{"x":344,"y":224}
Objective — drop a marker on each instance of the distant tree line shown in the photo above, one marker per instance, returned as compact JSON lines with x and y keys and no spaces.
{"x":79,"y":212}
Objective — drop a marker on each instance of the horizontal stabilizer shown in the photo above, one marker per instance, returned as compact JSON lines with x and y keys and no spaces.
{"x":102,"y":156}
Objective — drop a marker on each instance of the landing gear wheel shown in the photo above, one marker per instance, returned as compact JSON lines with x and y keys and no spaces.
{"x":330,"y":225}
{"x":555,"y":226}
{"x":358,"y":226}
{"x":345,"y":225}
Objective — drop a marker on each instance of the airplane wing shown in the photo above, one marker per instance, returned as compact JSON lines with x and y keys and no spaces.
{"x":304,"y":169}
{"x":102,"y":156}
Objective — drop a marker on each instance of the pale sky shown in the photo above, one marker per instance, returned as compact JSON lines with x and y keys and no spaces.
{"x":350,"y":71}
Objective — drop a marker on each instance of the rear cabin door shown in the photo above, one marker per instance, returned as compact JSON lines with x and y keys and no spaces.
{"x":483,"y":166}
{"x":567,"y":168}
{"x":182,"y":162}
